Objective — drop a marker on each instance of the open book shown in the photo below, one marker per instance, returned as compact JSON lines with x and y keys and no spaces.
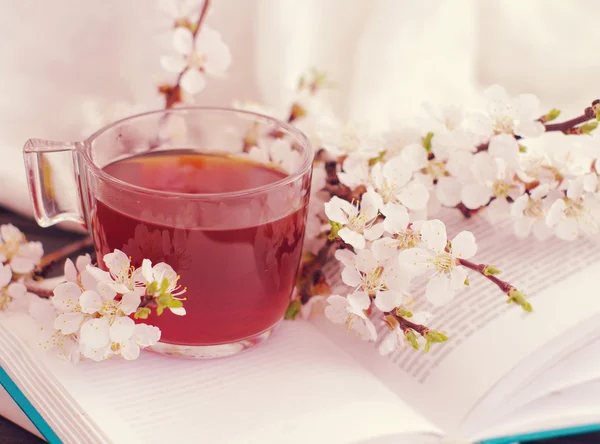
{"x":503,"y":373}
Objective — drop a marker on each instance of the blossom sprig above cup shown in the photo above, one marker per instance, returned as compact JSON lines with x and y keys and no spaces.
{"x":197,"y":52}
{"x":18,"y":261}
{"x":90,"y":314}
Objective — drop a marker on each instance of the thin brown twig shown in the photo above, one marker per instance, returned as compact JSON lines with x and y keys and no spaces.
{"x":504,"y":286}
{"x":50,"y":259}
{"x":406,"y":324}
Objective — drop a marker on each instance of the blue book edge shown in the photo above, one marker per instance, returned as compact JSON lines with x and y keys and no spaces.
{"x":17,"y":395}
{"x":546,"y":434}
{"x":40,"y":423}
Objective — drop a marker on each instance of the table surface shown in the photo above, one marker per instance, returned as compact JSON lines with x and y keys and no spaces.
{"x":52,"y":239}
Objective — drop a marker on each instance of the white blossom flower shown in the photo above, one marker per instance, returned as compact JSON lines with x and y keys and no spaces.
{"x":392,"y":181}
{"x":358,"y":221}
{"x":66,"y":302}
{"x":396,"y":339}
{"x":121,"y":276}
{"x":142,"y":335}
{"x":277,"y":151}
{"x":351,"y":310}
{"x":509,"y":115}
{"x":206,"y":55}
{"x":110,"y":322}
{"x":78,"y":274}
{"x":446,"y":275}
{"x":48,"y":337}
{"x":160,"y":273}
{"x":355,"y":171}
{"x":339,"y":140}
{"x":22,"y":256}
{"x":529,"y":213}
{"x":379,"y":278}
{"x":13,"y":293}
{"x":578,"y":211}
{"x":403,"y":236}
{"x":494,"y":180}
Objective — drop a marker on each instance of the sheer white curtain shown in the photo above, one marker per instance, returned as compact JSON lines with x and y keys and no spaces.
{"x":385,"y":56}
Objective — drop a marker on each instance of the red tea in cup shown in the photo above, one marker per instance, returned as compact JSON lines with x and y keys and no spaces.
{"x":238,"y":280}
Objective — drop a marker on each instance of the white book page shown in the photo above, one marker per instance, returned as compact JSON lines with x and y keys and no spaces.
{"x":296,"y":387}
{"x":488,"y":337}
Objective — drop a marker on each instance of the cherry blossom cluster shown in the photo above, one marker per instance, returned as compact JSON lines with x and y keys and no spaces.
{"x":91,"y":314}
{"x":18,"y":261}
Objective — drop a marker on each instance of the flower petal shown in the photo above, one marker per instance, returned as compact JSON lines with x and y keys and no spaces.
{"x":88,"y":282}
{"x":121,"y":329}
{"x":22,"y":265}
{"x":173,"y":64}
{"x":83,"y":261}
{"x":99,"y":275}
{"x":351,"y":277}
{"x":192,"y":81}
{"x":370,"y":204}
{"x":396,"y":218}
{"x":147,"y":270}
{"x":183,"y":40}
{"x":130,"y":302}
{"x":433,"y":235}
{"x":346,"y":257}
{"x":415,"y":260}
{"x":17,"y":290}
{"x":384,"y":248}
{"x":68,"y":323}
{"x":5,"y":275}
{"x":106,"y":290}
{"x":359,"y":301}
{"x":94,"y":333}
{"x":91,"y":302}
{"x":567,"y":229}
{"x":146,"y":335}
{"x":414,"y":196}
{"x":70,"y":271}
{"x":179,"y":311}
{"x":458,"y":277}
{"x":66,"y":296}
{"x":475,"y":195}
{"x":448,"y":191}
{"x":338,"y":210}
{"x":374,"y":232}
{"x":117,"y":262}
{"x":438,"y":290}
{"x":129,"y":350}
{"x":464,"y":245}
{"x":10,"y":233}
{"x":505,"y":147}
{"x":353,"y":238}
{"x":387,"y":300}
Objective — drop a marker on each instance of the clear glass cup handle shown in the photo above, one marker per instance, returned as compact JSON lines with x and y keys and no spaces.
{"x":52,"y":175}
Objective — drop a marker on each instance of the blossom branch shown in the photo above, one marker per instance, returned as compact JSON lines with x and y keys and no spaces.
{"x":172,"y":93}
{"x":490,"y":272}
{"x":568,"y":126}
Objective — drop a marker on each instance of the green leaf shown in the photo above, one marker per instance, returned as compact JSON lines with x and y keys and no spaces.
{"x":522,"y":148}
{"x":142,"y":313}
{"x":175,"y":303}
{"x":467,"y":282}
{"x":491,"y":270}
{"x":403,"y":313}
{"x":519,"y":298}
{"x":552,"y":114}
{"x":152,"y":288}
{"x":427,"y":347}
{"x":412,"y":338}
{"x":377,"y":159}
{"x":293,"y":309}
{"x":588,"y":127}
{"x":435,"y":336}
{"x":335,"y":227}
{"x":164,"y":285}
{"x":159,"y":310}
{"x":426,"y":141}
